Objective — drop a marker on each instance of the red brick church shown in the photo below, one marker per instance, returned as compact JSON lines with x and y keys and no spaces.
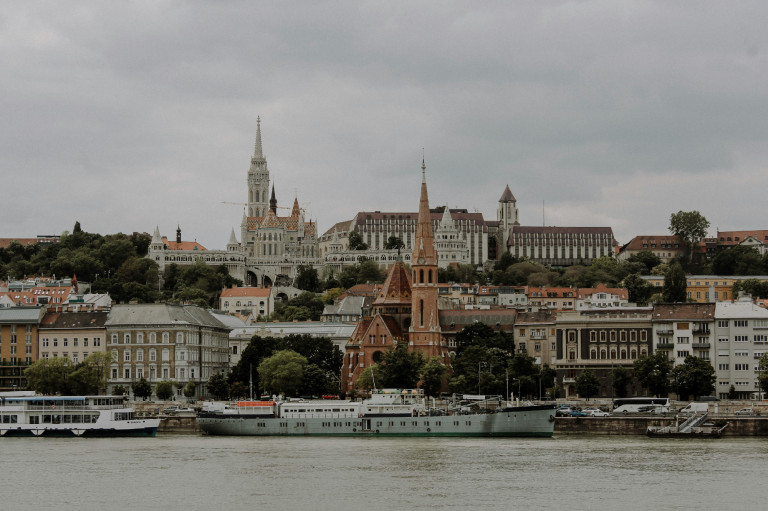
{"x":405,"y":309}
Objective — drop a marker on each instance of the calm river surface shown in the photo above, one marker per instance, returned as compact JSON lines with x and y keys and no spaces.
{"x":231,"y":473}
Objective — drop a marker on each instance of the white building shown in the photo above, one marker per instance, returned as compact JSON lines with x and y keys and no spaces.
{"x":683,"y":329}
{"x":741,"y":333}
{"x":271,"y":246}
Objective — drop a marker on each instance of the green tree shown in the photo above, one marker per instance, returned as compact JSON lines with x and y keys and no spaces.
{"x":142,"y":389}
{"x":647,"y":259}
{"x":652,"y":371}
{"x":639,"y":290}
{"x":394,"y":243}
{"x":481,"y":334}
{"x":356,"y":241}
{"x":753,"y":287}
{"x":369,"y":378}
{"x":432,"y":375}
{"x":164,"y":390}
{"x":620,"y":378}
{"x":307,"y":278}
{"x":119,"y":390}
{"x":369,"y":272}
{"x":732,"y":394}
{"x":675,"y":284}
{"x":400,"y":368}
{"x":587,"y":384}
{"x":695,"y":377}
{"x":282,"y":372}
{"x":218,"y":386}
{"x":49,"y":375}
{"x":258,"y":349}
{"x":315,"y":381}
{"x":90,"y":376}
{"x":238,"y":390}
{"x":738,"y":260}
{"x":690,"y":227}
{"x":190,"y":389}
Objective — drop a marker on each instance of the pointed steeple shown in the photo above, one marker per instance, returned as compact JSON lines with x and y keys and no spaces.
{"x":232,"y":238}
{"x":507,"y":196}
{"x":257,"y":152}
{"x":296,"y":211}
{"x":273,"y":202}
{"x":156,"y":236}
{"x":424,"y":251}
{"x":178,"y":233}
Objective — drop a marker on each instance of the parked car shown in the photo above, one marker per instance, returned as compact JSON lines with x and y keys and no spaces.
{"x":744,"y":411}
{"x":595,"y":412}
{"x":577,"y":413}
{"x":563,"y":411}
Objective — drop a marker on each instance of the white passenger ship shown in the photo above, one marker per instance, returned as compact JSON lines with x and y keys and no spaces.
{"x":387,"y":413}
{"x":27,"y":414}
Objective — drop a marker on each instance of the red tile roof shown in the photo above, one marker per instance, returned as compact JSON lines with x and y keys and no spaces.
{"x":184,"y":245}
{"x":237,"y":292}
{"x":736,"y":237}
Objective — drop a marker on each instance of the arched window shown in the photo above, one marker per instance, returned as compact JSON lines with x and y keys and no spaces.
{"x":421,"y":276}
{"x":421,"y":310}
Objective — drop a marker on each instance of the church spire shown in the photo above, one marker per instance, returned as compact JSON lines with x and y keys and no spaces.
{"x":273,"y":201}
{"x":257,"y":153}
{"x":424,"y":250}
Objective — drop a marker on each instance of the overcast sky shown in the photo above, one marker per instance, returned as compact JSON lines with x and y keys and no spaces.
{"x":127,"y":115}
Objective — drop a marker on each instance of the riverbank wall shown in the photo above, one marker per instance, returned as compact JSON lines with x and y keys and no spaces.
{"x":737,"y":426}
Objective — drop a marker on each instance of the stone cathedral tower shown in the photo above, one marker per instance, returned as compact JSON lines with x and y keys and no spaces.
{"x":258,"y":179}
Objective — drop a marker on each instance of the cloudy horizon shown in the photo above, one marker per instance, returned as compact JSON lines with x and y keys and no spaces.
{"x":127,"y":116}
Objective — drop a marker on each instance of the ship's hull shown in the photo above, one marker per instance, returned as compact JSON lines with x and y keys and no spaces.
{"x":147,"y":427}
{"x":527,"y":421}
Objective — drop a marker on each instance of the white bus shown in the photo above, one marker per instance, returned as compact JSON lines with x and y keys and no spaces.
{"x":641,"y":405}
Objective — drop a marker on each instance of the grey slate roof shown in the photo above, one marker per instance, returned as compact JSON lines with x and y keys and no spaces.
{"x":21,"y":314}
{"x":162,"y":314}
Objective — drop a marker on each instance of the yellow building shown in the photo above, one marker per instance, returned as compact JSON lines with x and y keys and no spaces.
{"x":18,"y":344}
{"x":707,"y":288}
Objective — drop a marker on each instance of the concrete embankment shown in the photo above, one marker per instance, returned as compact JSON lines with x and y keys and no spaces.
{"x":737,"y":426}
{"x":178,"y":424}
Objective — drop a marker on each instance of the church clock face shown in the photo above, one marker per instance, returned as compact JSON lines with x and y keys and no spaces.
{"x":421,"y":260}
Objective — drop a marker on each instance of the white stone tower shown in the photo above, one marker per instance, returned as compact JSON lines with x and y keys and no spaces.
{"x":258,"y":179}
{"x":507,"y":215}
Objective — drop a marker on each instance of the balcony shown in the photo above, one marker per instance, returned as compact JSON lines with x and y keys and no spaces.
{"x":665,"y":346}
{"x":700,"y":345}
{"x":701,"y":329}
{"x":569,"y":380}
{"x":665,"y":332}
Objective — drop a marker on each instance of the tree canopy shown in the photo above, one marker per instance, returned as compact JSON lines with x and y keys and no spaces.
{"x":675,"y":284}
{"x":587,"y":384}
{"x":691,"y":227}
{"x":282,"y":373}
{"x":652,"y":371}
{"x":695,"y":377}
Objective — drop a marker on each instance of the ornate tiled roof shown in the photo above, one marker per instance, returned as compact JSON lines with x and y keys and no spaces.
{"x":397,"y":287}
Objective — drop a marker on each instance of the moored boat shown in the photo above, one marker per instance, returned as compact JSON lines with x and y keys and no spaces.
{"x":387,"y":412}
{"x":696,"y":426}
{"x":27,"y":414}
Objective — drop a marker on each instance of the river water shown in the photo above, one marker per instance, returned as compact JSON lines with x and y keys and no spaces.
{"x":174,"y":471}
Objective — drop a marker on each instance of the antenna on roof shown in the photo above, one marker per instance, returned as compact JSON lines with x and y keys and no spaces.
{"x":543,"y":218}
